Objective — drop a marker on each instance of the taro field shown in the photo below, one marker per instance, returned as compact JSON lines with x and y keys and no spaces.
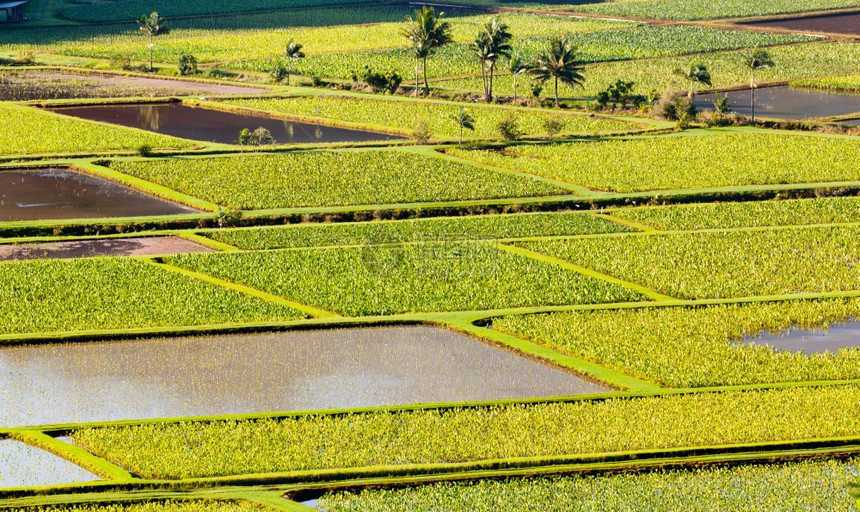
{"x":329,"y":255}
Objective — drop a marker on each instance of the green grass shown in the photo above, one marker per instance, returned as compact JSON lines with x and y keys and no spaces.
{"x":724,"y":264}
{"x":419,"y":230}
{"x":795,"y":487}
{"x":842,"y":84}
{"x":339,"y":178}
{"x":458,"y":59}
{"x":703,"y":9}
{"x":43,"y":296}
{"x":793,"y":62}
{"x":383,"y":280}
{"x":95,"y":12}
{"x":157,"y":506}
{"x":250,"y":43}
{"x":693,"y":347}
{"x":32,"y":131}
{"x":750,"y":214}
{"x":220,"y":448}
{"x":683,"y":162}
{"x":403,"y":115}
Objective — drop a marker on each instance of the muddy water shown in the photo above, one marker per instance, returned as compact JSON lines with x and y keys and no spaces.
{"x":213,"y":125}
{"x":784,"y":103}
{"x":848,"y":23}
{"x":813,"y":341}
{"x":50,"y":384}
{"x":91,"y":248}
{"x":22,"y":465}
{"x":64,"y":194}
{"x":852,"y":122}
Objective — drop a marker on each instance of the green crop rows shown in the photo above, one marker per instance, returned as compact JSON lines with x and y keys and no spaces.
{"x":750,"y":214}
{"x":185,"y":450}
{"x":403,"y":115}
{"x":159,"y":506}
{"x":797,"y":487}
{"x":669,"y":163}
{"x":420,"y":230}
{"x":846,"y":84}
{"x":691,"y":347}
{"x":382,"y":280}
{"x":331,"y":179}
{"x":28,"y":130}
{"x":724,"y":264}
{"x":108,"y":293}
{"x":727,"y":70}
{"x":702,"y":9}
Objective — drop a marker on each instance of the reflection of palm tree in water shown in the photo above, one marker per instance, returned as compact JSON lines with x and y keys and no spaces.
{"x":149,"y":117}
{"x":290,"y":129}
{"x":318,"y":133}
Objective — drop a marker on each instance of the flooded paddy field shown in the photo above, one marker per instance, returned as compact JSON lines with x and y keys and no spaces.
{"x":25,"y":85}
{"x":813,"y":341}
{"x":783,"y":102}
{"x":22,"y":465}
{"x":232,"y":374}
{"x":148,"y":246}
{"x":214,"y":125}
{"x":841,"y":23}
{"x":59,"y":193}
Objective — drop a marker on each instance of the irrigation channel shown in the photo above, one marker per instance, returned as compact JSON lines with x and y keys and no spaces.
{"x":782,"y":102}
{"x":284,"y":371}
{"x":59,"y":193}
{"x":214,"y":125}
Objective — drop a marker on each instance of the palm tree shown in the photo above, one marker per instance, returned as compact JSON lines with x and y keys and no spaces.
{"x":426,"y":33}
{"x":755,"y":60}
{"x":492,"y":42}
{"x":464,"y":120}
{"x":697,"y":74}
{"x":558,"y":62}
{"x":293,"y":52}
{"x":516,"y":67}
{"x":152,"y":25}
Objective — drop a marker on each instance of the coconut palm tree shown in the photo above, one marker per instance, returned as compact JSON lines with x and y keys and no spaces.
{"x":755,"y":60}
{"x":516,"y":67}
{"x":152,"y":25}
{"x":293,"y":52}
{"x":492,"y":42}
{"x":697,"y":74}
{"x":426,"y":33}
{"x":464,"y":120}
{"x":558,"y":62}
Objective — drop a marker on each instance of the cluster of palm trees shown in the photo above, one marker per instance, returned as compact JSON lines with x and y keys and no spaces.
{"x":427,"y":32}
{"x":757,"y":59}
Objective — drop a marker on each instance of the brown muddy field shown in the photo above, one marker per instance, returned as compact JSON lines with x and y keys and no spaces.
{"x":214,"y":125}
{"x":848,"y":23}
{"x":284,"y":371}
{"x":25,"y":85}
{"x":149,"y":246}
{"x":58,"y":193}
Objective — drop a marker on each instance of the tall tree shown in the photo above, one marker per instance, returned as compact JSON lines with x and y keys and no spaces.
{"x":755,"y":60}
{"x":152,"y":25}
{"x":464,"y":120}
{"x":293,"y":52}
{"x":426,"y":33}
{"x":516,"y":67}
{"x":559,"y":63}
{"x":493,"y":41}
{"x":697,"y":74}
